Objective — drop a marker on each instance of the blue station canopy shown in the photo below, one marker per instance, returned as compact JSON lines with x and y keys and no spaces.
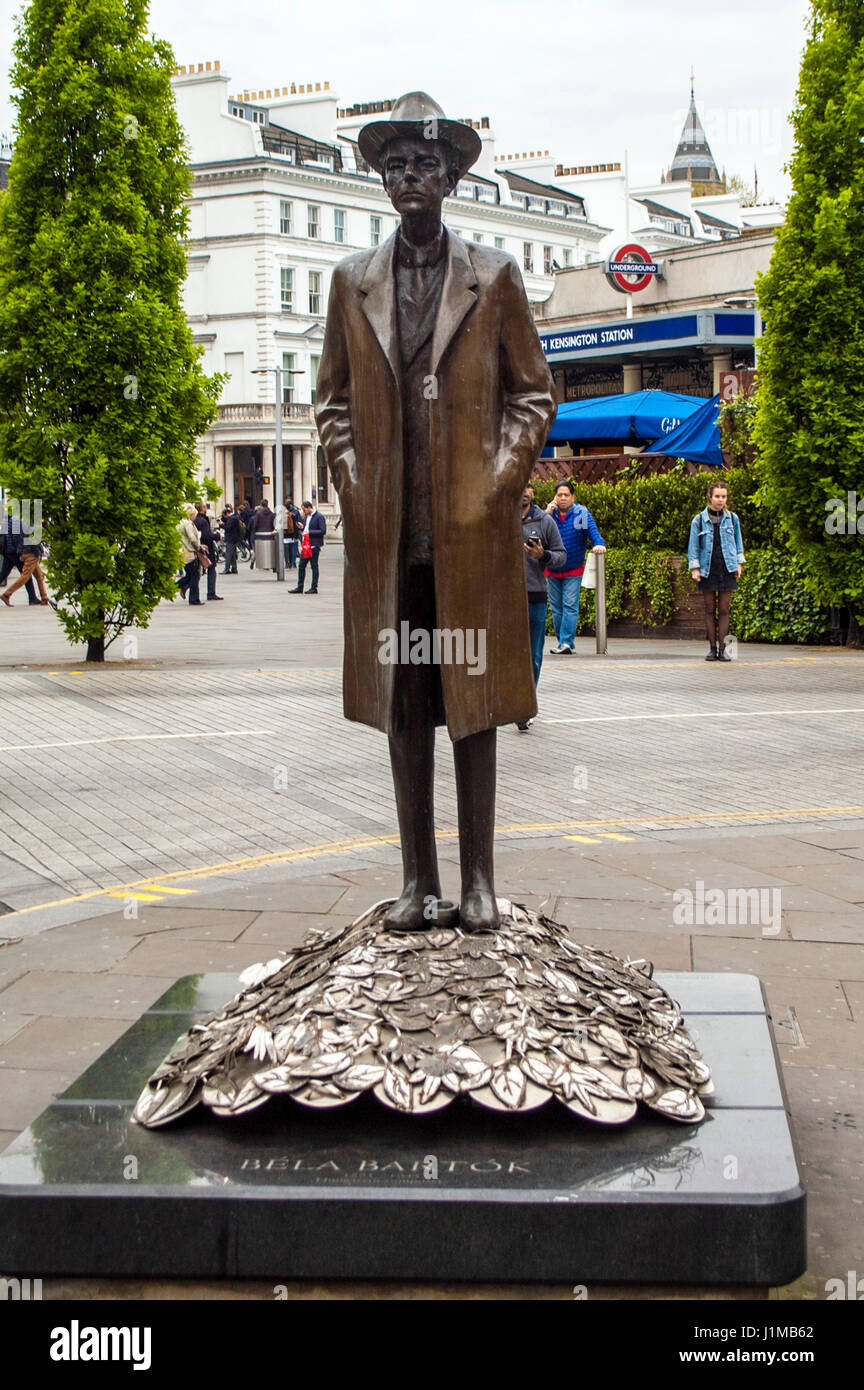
{"x":697,"y":439}
{"x":635,"y":417}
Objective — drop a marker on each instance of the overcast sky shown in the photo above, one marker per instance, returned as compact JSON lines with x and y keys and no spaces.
{"x":585,"y":79}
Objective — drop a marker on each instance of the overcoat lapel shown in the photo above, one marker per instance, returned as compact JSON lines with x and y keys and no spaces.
{"x":379,"y":305}
{"x":457,"y":297}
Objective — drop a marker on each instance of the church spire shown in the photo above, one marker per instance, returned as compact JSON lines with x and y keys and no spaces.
{"x":693,"y":158}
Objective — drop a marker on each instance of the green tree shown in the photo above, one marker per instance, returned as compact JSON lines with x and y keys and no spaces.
{"x":101,"y":392}
{"x":810,"y":421}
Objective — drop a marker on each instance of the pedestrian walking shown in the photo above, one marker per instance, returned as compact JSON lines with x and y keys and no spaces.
{"x":205,"y":531}
{"x":193,"y":552}
{"x":231,"y":535}
{"x":23,"y":551}
{"x":544,"y":549}
{"x":715,"y":554}
{"x":10,"y":550}
{"x":312,"y":539}
{"x":577,"y":526}
{"x":247,"y":516}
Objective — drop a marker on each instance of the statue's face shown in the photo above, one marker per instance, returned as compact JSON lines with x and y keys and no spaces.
{"x":416,"y":175}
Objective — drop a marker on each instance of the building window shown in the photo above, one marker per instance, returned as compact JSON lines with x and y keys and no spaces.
{"x":314,"y":365}
{"x":547,"y":260}
{"x":478,"y":237}
{"x":289,"y":367}
{"x":285,"y":211}
{"x":314,"y":291}
{"x":313,"y":222}
{"x":287,"y":284}
{"x":528,"y":256}
{"x":499,"y":243}
{"x":339,"y":224}
{"x":568,"y":256}
{"x":374,"y":230}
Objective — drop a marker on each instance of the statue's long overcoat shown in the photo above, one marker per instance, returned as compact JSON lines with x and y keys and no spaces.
{"x":492,"y":403}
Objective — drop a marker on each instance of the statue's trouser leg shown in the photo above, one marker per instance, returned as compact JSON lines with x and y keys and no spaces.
{"x":412,"y":761}
{"x":474,"y":758}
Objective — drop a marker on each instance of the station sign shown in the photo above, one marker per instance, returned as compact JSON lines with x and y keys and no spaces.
{"x":632,"y":269}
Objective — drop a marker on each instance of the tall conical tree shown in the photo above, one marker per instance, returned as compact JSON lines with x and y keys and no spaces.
{"x":101,"y":391}
{"x":810,"y":421}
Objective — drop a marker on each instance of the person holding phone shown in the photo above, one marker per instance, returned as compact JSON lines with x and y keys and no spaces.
{"x":544,"y":549}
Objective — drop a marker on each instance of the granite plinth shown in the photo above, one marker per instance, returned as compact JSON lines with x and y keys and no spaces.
{"x":363,"y":1193}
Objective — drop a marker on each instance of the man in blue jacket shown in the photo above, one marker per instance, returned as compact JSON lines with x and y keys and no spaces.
{"x":576,"y":525}
{"x":315,"y":527}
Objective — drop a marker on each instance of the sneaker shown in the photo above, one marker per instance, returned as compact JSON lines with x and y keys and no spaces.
{"x":525,"y":726}
{"x":561,"y":651}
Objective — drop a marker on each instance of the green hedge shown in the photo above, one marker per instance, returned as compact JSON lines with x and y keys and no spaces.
{"x":771,"y":603}
{"x":656,"y":512}
{"x":646,"y":521}
{"x":641,"y":583}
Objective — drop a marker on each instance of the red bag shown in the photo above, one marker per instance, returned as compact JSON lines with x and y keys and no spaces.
{"x":305,"y":547}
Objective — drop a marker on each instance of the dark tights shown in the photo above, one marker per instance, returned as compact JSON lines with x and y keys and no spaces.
{"x":718,"y":625}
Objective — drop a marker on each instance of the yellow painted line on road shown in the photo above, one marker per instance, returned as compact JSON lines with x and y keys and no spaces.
{"x":583,"y":839}
{"x":194,"y":735}
{"x":610,"y":835}
{"x":139,"y":897}
{"x":181,"y":892}
{"x":157,"y":884}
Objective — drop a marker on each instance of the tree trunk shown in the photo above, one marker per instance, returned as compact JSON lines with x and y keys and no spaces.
{"x":96,"y":648}
{"x":855,"y":634}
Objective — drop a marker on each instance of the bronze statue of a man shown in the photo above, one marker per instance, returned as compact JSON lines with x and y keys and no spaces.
{"x":433,"y":402}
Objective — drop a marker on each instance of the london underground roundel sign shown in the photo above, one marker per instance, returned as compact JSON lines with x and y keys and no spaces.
{"x":631,"y":269}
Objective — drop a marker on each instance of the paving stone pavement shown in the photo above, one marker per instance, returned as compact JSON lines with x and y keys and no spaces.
{"x":215,"y":790}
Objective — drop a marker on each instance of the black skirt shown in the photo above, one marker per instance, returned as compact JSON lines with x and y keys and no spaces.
{"x":719,"y":578}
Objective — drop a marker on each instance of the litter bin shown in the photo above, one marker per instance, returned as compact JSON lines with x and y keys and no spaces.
{"x":265,"y":550}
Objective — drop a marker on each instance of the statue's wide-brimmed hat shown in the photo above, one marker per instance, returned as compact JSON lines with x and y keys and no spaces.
{"x":415,"y":114}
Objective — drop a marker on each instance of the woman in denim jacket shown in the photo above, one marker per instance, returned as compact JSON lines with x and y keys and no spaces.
{"x":715,"y":555}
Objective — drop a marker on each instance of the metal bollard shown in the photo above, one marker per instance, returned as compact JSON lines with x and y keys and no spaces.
{"x":600,"y":603}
